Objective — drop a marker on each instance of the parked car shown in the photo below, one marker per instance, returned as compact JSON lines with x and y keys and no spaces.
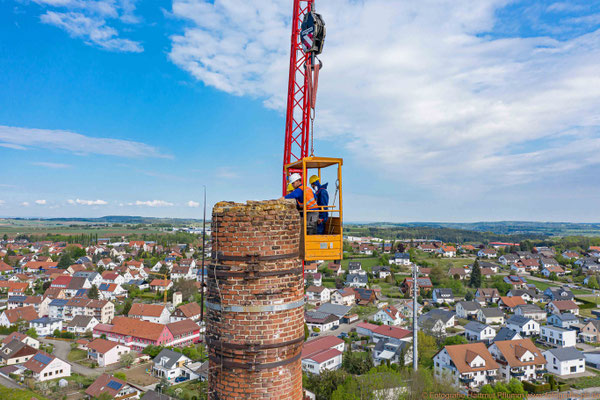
{"x":181,"y":378}
{"x":314,"y":334}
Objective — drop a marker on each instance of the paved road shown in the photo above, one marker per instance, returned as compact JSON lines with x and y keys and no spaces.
{"x":62,"y":349}
{"x":587,"y":394}
{"x":8,"y":383}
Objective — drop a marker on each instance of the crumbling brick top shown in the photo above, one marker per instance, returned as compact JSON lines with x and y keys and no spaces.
{"x":255,"y":206}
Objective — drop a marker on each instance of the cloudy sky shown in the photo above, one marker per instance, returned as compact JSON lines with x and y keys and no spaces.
{"x":457,"y":110}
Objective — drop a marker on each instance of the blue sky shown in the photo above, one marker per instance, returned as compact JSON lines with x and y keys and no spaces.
{"x":458,"y":110}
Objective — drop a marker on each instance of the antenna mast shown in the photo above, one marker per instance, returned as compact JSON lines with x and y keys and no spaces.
{"x":415,"y":316}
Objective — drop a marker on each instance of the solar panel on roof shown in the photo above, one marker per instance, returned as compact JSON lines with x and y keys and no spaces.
{"x":114,"y":385}
{"x":44,"y":359}
{"x":104,"y":286}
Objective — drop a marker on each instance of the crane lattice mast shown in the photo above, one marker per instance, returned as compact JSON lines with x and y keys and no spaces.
{"x":297,"y":121}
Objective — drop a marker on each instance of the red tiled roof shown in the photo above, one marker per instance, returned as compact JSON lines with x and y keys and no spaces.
{"x":185,"y":326}
{"x":320,"y":344}
{"x":323,"y":356}
{"x":160,"y":282}
{"x":100,"y":386}
{"x":137,"y":328}
{"x":565,"y":304}
{"x":190,"y":310}
{"x":35,"y":365}
{"x":101,"y":345}
{"x":392,"y":331}
{"x":512,"y":302}
{"x":26,"y":313}
{"x":146,"y":310}
{"x":62,"y":280}
{"x":367,"y":325}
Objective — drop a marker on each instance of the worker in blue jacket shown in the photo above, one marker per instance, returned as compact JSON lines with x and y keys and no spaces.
{"x":322,"y":197}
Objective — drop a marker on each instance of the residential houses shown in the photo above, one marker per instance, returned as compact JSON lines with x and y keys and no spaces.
{"x":424,"y":284}
{"x":80,"y":324}
{"x":191,"y":311}
{"x":344,"y":296}
{"x":491,"y":315}
{"x":564,"y":361}
{"x":357,"y":280}
{"x":45,"y":367}
{"x":466,"y":365}
{"x":558,"y":337}
{"x":518,"y":358}
{"x":562,"y":306}
{"x":530,"y":311}
{"x":476,"y":331}
{"x":19,"y":314}
{"x":171,"y":365}
{"x":318,"y":294}
{"x":566,"y":320}
{"x":467,"y":309}
{"x":105,"y":352}
{"x":46,"y":326}
{"x":389,"y":315}
{"x":443,"y":295}
{"x":323,"y":353}
{"x":590,"y":331}
{"x":114,"y":388}
{"x":16,"y":352}
{"x":524,"y":325}
{"x":157,"y":313}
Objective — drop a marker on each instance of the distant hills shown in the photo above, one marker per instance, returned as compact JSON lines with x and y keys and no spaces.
{"x":501,"y":230}
{"x":119,"y":219}
{"x":494,"y":231}
{"x":504,"y":227}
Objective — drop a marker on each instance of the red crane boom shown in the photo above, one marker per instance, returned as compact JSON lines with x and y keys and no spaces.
{"x":297,"y":121}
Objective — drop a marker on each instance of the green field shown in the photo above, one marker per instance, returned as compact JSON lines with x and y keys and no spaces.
{"x":367,"y":262}
{"x":543,"y":285}
{"x":423,"y":258}
{"x":77,"y":354}
{"x":18,"y":394}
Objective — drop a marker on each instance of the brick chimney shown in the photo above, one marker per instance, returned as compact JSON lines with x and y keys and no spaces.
{"x":255,"y":319}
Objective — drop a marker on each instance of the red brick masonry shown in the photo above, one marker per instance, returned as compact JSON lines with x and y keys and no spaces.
{"x":255,"y":319}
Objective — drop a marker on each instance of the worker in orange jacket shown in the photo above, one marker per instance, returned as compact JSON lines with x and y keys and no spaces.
{"x":304,"y":195}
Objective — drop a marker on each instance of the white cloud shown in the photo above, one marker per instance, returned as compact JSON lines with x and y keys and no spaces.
{"x":92,"y":30}
{"x":92,"y":20}
{"x":226,"y":173}
{"x":25,"y":204}
{"x":88,"y":202}
{"x":12,"y":146}
{"x":77,"y":143}
{"x":51,"y":165}
{"x":418,"y":90}
{"x":152,"y":203}
{"x":192,"y":203}
{"x":40,"y":202}
{"x":2,"y":202}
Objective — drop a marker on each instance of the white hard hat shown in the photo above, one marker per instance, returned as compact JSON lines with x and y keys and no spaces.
{"x":294,"y":177}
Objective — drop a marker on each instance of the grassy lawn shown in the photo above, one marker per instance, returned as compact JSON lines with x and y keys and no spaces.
{"x":363,"y":311}
{"x":585,"y":382}
{"x":445,"y":263}
{"x":543,"y":285}
{"x":367,"y":263}
{"x":589,"y":299}
{"x":387,"y":289}
{"x":77,"y":355}
{"x":188,"y":390}
{"x":18,"y":394}
{"x":581,"y":291}
{"x":82,"y":379}
{"x":586,"y":313}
